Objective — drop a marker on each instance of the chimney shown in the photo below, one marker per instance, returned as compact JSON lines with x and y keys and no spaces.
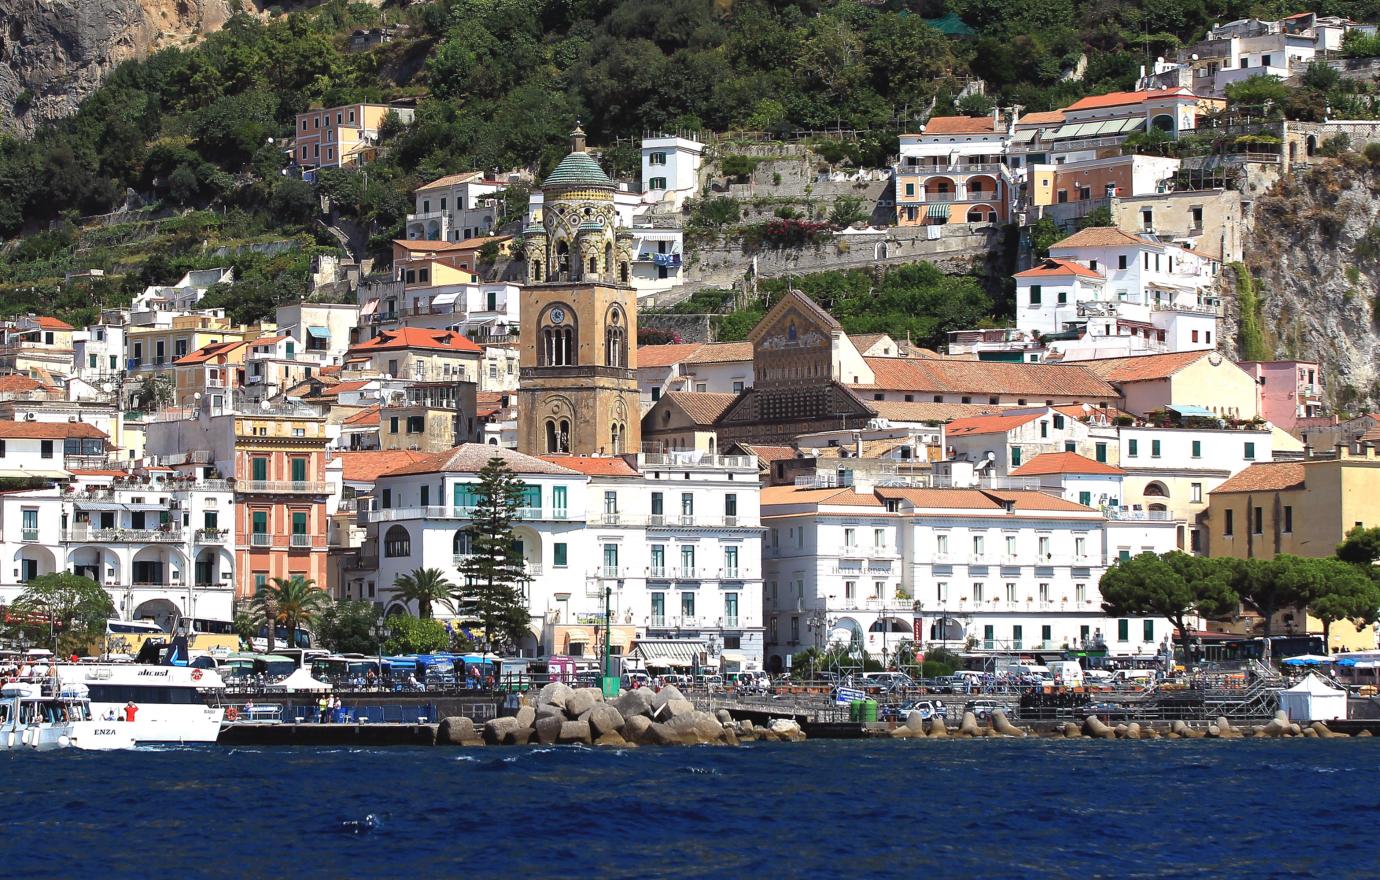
{"x":577,"y":139}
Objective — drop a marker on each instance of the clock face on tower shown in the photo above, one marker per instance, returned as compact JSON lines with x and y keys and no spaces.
{"x":557,"y":315}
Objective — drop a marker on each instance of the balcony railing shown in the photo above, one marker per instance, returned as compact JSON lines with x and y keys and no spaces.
{"x":30,"y":534}
{"x":657,"y":572}
{"x":392,"y":514}
{"x":299,"y":541}
{"x":695,"y":460}
{"x":124,"y":536}
{"x":260,"y":539}
{"x":531,"y":569}
{"x":308,"y":487}
{"x":212,"y":536}
{"x":658,"y":621}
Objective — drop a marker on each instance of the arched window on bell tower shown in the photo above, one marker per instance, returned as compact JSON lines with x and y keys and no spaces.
{"x":558,"y":338}
{"x":616,"y":340}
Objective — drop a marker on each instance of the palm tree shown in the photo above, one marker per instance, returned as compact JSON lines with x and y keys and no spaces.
{"x":425,"y":586}
{"x":291,"y":601}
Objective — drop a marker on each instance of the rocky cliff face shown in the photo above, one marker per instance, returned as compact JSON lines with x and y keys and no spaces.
{"x":53,"y":53}
{"x":1314,"y":254}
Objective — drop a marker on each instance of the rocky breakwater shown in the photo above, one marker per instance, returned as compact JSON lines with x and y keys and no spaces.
{"x":998,"y":725}
{"x":561,"y":715}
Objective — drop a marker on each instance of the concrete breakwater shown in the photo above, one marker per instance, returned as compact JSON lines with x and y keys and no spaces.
{"x":1093,"y":727}
{"x":561,"y":715}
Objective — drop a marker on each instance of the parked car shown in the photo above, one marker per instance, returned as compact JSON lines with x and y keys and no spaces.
{"x":926,"y":709}
{"x":983,"y":708}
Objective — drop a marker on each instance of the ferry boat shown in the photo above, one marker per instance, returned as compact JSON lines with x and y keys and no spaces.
{"x":31,"y":720}
{"x":89,"y":732}
{"x":173,"y":704}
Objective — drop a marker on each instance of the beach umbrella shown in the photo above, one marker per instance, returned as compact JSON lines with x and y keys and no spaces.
{"x":1306,"y":660}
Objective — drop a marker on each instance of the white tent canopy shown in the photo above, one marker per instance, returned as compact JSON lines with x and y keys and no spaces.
{"x":1313,"y":700}
{"x":301,"y":680}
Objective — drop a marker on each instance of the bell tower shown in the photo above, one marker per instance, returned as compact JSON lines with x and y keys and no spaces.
{"x":577,"y":388}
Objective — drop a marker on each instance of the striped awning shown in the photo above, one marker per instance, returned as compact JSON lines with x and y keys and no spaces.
{"x":670,"y":652}
{"x":939,"y":211}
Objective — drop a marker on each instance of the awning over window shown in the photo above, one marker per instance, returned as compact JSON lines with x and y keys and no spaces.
{"x":321,"y":332}
{"x":669,"y":652}
{"x":370,"y":307}
{"x":1186,"y":409}
{"x":940,"y":211}
{"x":445,"y":299}
{"x":1022,"y":137}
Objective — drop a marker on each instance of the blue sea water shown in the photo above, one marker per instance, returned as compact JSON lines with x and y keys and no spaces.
{"x":993,"y":809}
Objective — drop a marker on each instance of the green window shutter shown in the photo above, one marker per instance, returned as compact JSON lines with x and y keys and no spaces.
{"x":259,"y":469}
{"x":1155,"y":448}
{"x":1132,"y":448}
{"x":1015,"y":456}
{"x":1102,"y":452}
{"x":299,"y":470}
{"x":1123,"y":630}
{"x":299,"y":522}
{"x":260,"y":522}
{"x":1085,"y":499}
{"x":559,"y":553}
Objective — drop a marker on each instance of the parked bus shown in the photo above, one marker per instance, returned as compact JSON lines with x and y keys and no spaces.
{"x":128,"y":636}
{"x":206,"y":634}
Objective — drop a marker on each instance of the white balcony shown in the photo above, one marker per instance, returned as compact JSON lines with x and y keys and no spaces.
{"x":299,"y":541}
{"x":392,"y":514}
{"x":121,"y":536}
{"x":277,"y":487}
{"x":260,"y":539}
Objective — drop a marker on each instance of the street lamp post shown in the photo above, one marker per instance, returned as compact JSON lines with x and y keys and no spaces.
{"x":380,"y":633}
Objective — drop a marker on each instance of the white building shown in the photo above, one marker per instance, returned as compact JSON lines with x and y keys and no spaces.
{"x":182,"y":296}
{"x":456,"y":207}
{"x":973,"y":570}
{"x":485,"y":312}
{"x":98,"y":352}
{"x":670,"y":170}
{"x":160,"y":546}
{"x":676,"y":540}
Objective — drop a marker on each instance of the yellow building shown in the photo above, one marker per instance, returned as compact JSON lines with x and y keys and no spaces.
{"x":153,"y":349}
{"x":1208,"y":379}
{"x":38,"y":347}
{"x":211,"y":369}
{"x":1303,"y":508}
{"x":418,"y":354}
{"x":342,"y":137}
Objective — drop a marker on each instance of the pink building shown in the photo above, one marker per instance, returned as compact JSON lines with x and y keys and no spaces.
{"x":1288,"y":390}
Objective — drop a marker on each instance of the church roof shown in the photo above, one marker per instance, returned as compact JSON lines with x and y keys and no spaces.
{"x":578,"y":169}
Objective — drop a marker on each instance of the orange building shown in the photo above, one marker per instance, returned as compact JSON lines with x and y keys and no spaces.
{"x":341,"y":137}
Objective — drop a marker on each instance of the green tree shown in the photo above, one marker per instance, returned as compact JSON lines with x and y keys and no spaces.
{"x":425,"y":587}
{"x":847,"y":210}
{"x":155,"y":392}
{"x":1259,"y":94}
{"x":1343,"y":592}
{"x":75,"y":608}
{"x":1096,"y":217}
{"x":494,"y":579}
{"x":347,"y":627}
{"x":415,"y":635}
{"x":1361,"y":546}
{"x":1269,"y":585}
{"x":1174,"y":586}
{"x":294,"y":602}
{"x":1044,"y":233}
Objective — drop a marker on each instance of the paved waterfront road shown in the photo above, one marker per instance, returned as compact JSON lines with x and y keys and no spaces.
{"x":992,"y":809}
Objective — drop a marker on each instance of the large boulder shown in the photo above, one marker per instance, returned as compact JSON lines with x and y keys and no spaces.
{"x":495,"y":729}
{"x":548,"y":730}
{"x":635,"y":726}
{"x":518,"y":736}
{"x":458,"y":731}
{"x":550,"y":710}
{"x":938,"y":728}
{"x":554,"y":694}
{"x":1324,"y":731}
{"x":574,"y":732}
{"x":578,"y":703}
{"x":1071,"y":730}
{"x":787,"y":729}
{"x":1003,"y":726}
{"x":914,"y":724}
{"x":659,"y":735}
{"x":603,"y":719}
{"x":673,"y":708}
{"x":724,"y":716}
{"x":611,"y":738}
{"x":708,"y":729}
{"x":526,"y":716}
{"x":670,"y":692}
{"x":634,"y":702}
{"x":1093,"y":727}
{"x":1133,"y":730}
{"x":968,"y":726}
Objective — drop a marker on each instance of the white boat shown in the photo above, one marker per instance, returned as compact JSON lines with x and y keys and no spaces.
{"x":88,"y":732}
{"x":30,"y":720}
{"x":172,"y":704}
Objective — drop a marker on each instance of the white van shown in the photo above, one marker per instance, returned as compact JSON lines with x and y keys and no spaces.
{"x":1139,"y":677}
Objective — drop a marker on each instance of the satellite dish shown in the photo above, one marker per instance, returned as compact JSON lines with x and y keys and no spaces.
{"x":265,"y":405}
{"x":196,"y":396}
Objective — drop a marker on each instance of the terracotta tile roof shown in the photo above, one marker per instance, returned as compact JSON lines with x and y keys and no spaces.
{"x":863,"y":341}
{"x":721,"y":352}
{"x":1053,"y":268}
{"x":768,"y":454}
{"x":369,"y":416}
{"x":1102,"y":236}
{"x":905,"y":411}
{"x":978,"y":499}
{"x":208,"y":353}
{"x":987,"y":378}
{"x":1064,"y":463}
{"x":594,"y":465}
{"x":266,"y":340}
{"x":998,"y":423}
{"x":422,"y":245}
{"x":333,"y":370}
{"x":342,"y":388}
{"x":98,"y":472}
{"x":44,"y":322}
{"x":11,"y":430}
{"x":808,"y":495}
{"x":665,"y":355}
{"x":415,"y":338}
{"x":469,"y":458}
{"x":452,"y":180}
{"x":1141,"y":368}
{"x":961,"y":125}
{"x":1077,"y":411}
{"x":703,"y":407}
{"x":1122,"y":99}
{"x":366,"y":466}
{"x":15,"y":382}
{"x":479,"y":241}
{"x":1265,"y":476}
{"x":1046,"y":117}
